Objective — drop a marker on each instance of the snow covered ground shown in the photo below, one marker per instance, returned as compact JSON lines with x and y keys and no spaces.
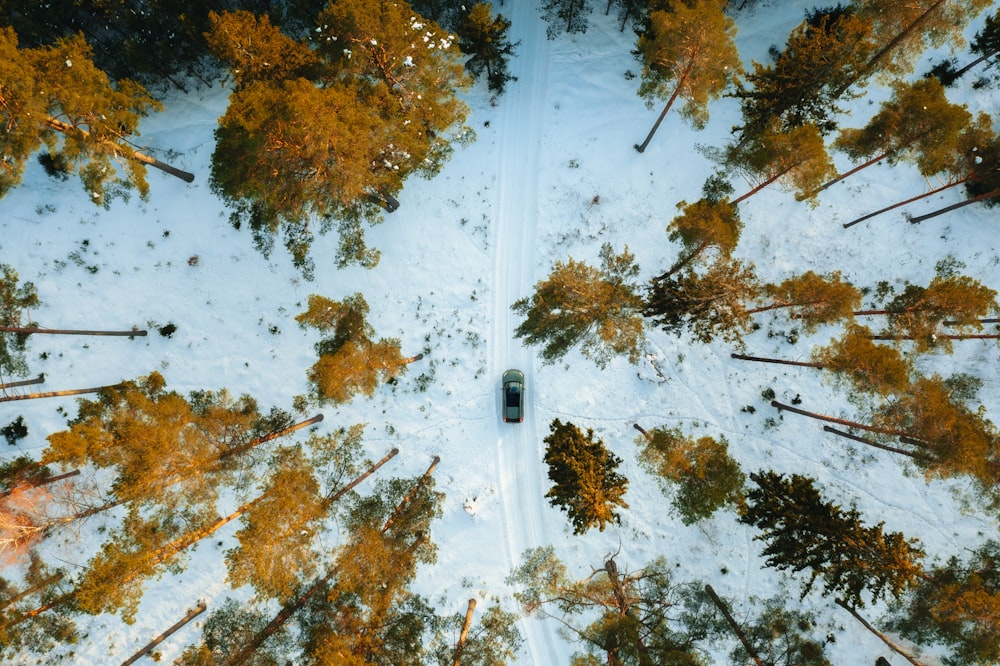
{"x":552,"y":175}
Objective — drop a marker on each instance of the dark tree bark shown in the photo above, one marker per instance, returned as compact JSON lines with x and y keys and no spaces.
{"x":721,"y":605}
{"x":903,"y":203}
{"x":992,"y":194}
{"x":192,"y":614}
{"x":761,"y":359}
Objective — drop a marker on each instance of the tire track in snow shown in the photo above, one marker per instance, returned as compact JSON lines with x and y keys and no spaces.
{"x":514,"y":228}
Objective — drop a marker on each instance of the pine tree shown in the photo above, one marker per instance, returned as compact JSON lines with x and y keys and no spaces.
{"x":806,"y":82}
{"x":866,"y":366}
{"x":596,"y":308}
{"x":483,"y":38}
{"x":275,"y":543}
{"x":950,"y":438}
{"x":986,"y":43}
{"x":55,"y":96}
{"x":917,"y":312}
{"x":958,"y":604}
{"x":568,"y":16}
{"x":902,"y":32}
{"x":40,"y":585}
{"x":965,"y":165}
{"x":796,"y":158}
{"x":802,"y":531}
{"x":701,"y":471}
{"x":703,"y":225}
{"x":229,"y":627}
{"x":350,"y":361}
{"x":586,"y":484}
{"x":781,"y":637}
{"x":709,"y":305}
{"x":493,"y":640}
{"x":15,"y":300}
{"x":164,"y":451}
{"x":371,"y":104}
{"x":644,"y":617}
{"x":916,"y":124}
{"x":688,"y":53}
{"x":815,"y":299}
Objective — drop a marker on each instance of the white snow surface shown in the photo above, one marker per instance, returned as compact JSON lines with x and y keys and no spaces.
{"x":552,"y":175}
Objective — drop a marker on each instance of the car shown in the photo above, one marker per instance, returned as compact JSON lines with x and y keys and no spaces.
{"x":513,"y":396}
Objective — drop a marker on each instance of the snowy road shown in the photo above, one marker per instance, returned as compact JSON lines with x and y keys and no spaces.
{"x":517,"y":450}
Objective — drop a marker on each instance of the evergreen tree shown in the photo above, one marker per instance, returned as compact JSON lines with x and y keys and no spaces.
{"x":373,"y":102}
{"x":986,"y":43}
{"x":707,"y":305}
{"x":949,"y":437}
{"x":568,"y":16}
{"x":701,"y":470}
{"x":796,"y":158}
{"x":805,"y":83}
{"x":866,"y":366}
{"x":972,"y":160}
{"x":688,"y":53}
{"x":957,"y":604}
{"x":370,"y":613}
{"x":596,"y":308}
{"x":586,"y":484}
{"x":15,"y":300}
{"x":229,"y":627}
{"x":55,"y":96}
{"x":703,"y":225}
{"x":482,"y":37}
{"x":166,"y":452}
{"x":156,"y":42}
{"x":916,"y":124}
{"x":275,"y":543}
{"x":802,"y":531}
{"x":815,"y":299}
{"x":40,"y":585}
{"x":492,"y":641}
{"x":917,"y":312}
{"x":350,"y":361}
{"x":782,"y":637}
{"x":644,"y":617}
{"x":902,"y":32}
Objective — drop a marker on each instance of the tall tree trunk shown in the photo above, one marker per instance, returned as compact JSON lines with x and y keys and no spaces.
{"x":992,"y":194}
{"x":893,"y":43}
{"x":468,"y":622}
{"x":869,"y":442}
{"x":758,"y":188}
{"x":43,"y":482}
{"x":649,"y":438}
{"x":721,"y":605}
{"x":121,"y":150}
{"x":761,"y":359}
{"x":684,"y":261}
{"x":885,"y":639}
{"x":625,"y":609}
{"x":846,"y":174}
{"x":192,"y":614}
{"x":406,"y":500}
{"x":975,"y":62}
{"x":53,"y":394}
{"x":62,"y":331}
{"x":294,"y":605}
{"x":903,"y":203}
{"x":823,"y":417}
{"x":663,"y":114}
{"x":40,"y":379}
{"x":31,"y":590}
